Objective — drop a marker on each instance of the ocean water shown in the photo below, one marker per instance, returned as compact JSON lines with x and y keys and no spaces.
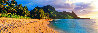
{"x":75,"y":25}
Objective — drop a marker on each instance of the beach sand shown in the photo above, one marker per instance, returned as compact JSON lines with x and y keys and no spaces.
{"x":13,"y":25}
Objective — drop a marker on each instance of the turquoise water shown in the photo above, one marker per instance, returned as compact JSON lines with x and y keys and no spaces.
{"x":74,"y":25}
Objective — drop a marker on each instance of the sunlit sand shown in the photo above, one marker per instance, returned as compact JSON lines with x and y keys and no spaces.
{"x":12,"y":25}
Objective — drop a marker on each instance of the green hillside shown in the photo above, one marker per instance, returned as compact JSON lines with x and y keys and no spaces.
{"x":12,"y":10}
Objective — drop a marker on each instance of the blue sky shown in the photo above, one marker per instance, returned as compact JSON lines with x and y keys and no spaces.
{"x":60,"y":5}
{"x":80,"y":7}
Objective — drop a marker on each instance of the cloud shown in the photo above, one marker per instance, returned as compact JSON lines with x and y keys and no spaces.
{"x":59,"y":4}
{"x":83,"y":8}
{"x":79,"y":8}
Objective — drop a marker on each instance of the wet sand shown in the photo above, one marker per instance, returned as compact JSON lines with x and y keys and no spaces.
{"x":13,"y":25}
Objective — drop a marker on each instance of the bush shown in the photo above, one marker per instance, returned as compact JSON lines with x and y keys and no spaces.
{"x":13,"y":16}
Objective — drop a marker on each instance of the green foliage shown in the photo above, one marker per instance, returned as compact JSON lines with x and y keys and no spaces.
{"x":68,"y":17}
{"x":19,"y":11}
{"x":38,"y":13}
{"x":12,"y":16}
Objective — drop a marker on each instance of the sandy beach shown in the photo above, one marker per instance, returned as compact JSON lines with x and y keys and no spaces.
{"x":13,"y":25}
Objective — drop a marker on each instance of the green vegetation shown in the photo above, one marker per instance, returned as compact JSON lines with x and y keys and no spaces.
{"x":9,"y":15}
{"x":12,"y":10}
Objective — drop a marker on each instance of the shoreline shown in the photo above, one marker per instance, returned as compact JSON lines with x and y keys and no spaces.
{"x":13,"y":25}
{"x":56,"y":29}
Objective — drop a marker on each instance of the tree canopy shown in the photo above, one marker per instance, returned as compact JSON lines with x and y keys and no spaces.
{"x":12,"y":9}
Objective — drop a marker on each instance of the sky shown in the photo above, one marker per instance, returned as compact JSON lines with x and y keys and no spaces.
{"x":83,"y":8}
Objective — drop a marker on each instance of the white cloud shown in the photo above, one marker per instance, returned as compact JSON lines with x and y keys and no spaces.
{"x":63,"y":5}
